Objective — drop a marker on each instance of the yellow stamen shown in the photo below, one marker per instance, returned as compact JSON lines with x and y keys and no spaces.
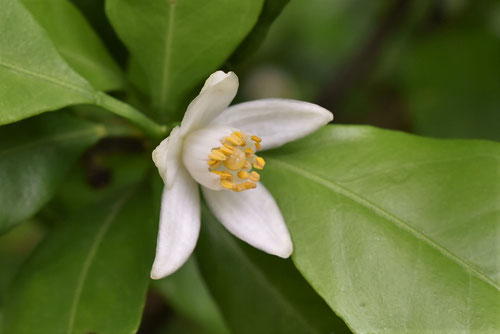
{"x":248,"y":152}
{"x":234,"y":139}
{"x":242,"y":137}
{"x":243,"y":174}
{"x":254,"y":176}
{"x":259,"y":163}
{"x":233,"y":160}
{"x":227,"y":184}
{"x":244,"y":186}
{"x":216,"y":155}
{"x":256,"y":139}
{"x":226,"y":150}
{"x":223,"y":175}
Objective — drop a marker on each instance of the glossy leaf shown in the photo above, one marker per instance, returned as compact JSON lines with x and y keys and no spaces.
{"x":34,"y":76}
{"x":90,"y":274}
{"x":397,"y":233}
{"x":256,"y":292}
{"x":177,"y":44}
{"x":77,"y":43}
{"x":188,"y":294}
{"x":34,"y":157}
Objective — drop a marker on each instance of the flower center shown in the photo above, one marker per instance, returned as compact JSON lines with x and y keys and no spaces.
{"x":233,"y":161}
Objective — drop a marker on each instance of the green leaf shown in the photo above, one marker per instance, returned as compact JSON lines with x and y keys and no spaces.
{"x":15,"y":247}
{"x":177,"y":44}
{"x":34,"y":157}
{"x":90,"y":274}
{"x":270,"y":11}
{"x":34,"y":76}
{"x":256,"y":292}
{"x":77,"y":43}
{"x":397,"y":233}
{"x":186,"y":291}
{"x":36,"y":79}
{"x":94,"y":12}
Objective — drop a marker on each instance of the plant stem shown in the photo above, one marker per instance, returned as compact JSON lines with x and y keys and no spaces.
{"x":125,"y":110}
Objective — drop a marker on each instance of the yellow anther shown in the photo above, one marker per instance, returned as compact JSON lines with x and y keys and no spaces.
{"x":259,"y":163}
{"x":244,"y":186}
{"x":233,"y":139}
{"x":248,"y":152}
{"x":216,"y":155}
{"x":233,"y":161}
{"x":226,"y":150}
{"x":242,"y":137}
{"x":254,"y":176}
{"x":256,"y":139}
{"x":223,"y":175}
{"x":243,"y":174}
{"x":217,"y":164}
{"x":227,"y":184}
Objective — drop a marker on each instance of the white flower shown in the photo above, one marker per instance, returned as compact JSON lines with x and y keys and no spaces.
{"x":216,"y":147}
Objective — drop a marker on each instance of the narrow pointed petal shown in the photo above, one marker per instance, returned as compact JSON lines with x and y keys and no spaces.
{"x":253,"y":216}
{"x":167,"y":157}
{"x":215,"y":96}
{"x":179,"y":225}
{"x":276,"y":121}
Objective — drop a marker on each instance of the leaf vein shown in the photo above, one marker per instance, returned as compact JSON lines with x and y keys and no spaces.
{"x":101,"y":232}
{"x":164,"y":84}
{"x":55,"y":81}
{"x":338,"y":189}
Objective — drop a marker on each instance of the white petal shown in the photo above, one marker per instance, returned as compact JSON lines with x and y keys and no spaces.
{"x":253,"y":216}
{"x":167,"y":156}
{"x":217,"y":93}
{"x":179,"y":225}
{"x":197,"y":147}
{"x":276,"y":121}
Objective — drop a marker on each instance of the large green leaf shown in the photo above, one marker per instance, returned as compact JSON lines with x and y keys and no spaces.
{"x":90,"y":274}
{"x":186,"y":291}
{"x":177,"y":44}
{"x":256,"y":292}
{"x":397,"y":233}
{"x":34,"y":76}
{"x":77,"y":43}
{"x":34,"y":157}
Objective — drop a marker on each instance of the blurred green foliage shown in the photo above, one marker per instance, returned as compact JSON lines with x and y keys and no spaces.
{"x":428,"y":67}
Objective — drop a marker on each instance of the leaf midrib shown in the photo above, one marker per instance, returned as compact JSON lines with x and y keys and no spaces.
{"x":53,"y":80}
{"x":164,"y":84}
{"x":338,"y":189}
{"x":101,"y":232}
{"x":266,"y":282}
